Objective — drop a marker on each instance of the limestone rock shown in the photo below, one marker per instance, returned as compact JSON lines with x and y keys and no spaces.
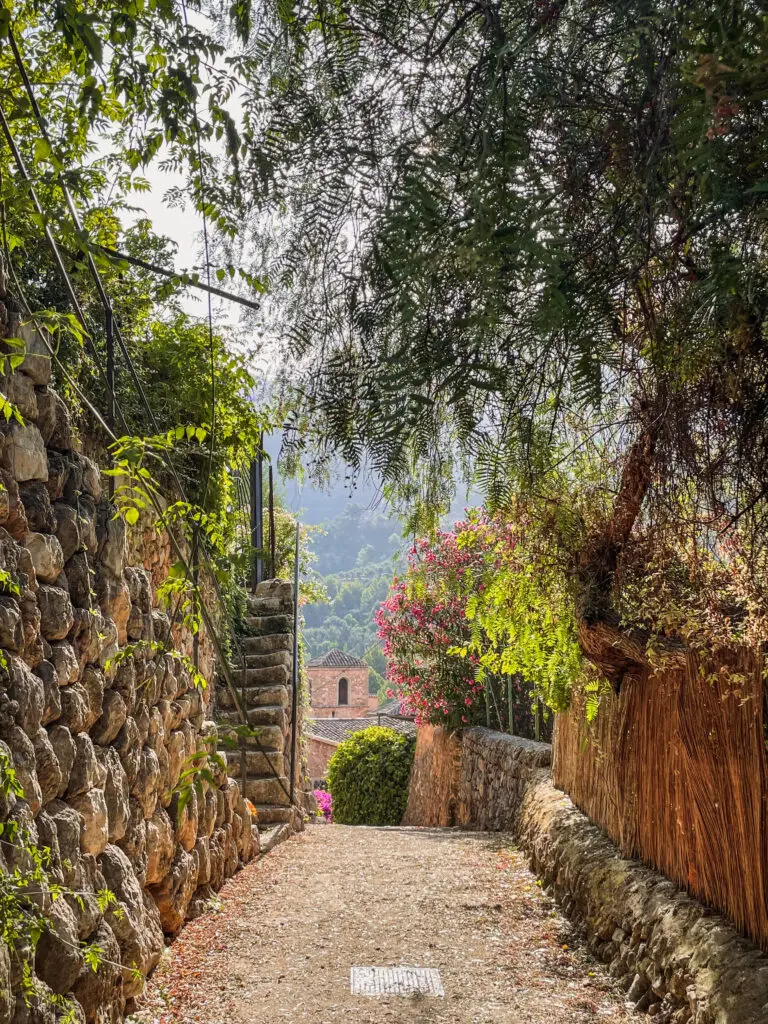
{"x":86,"y":772}
{"x":49,"y":773}
{"x":58,"y":959}
{"x":11,"y":626}
{"x":93,"y":683}
{"x":91,"y":477}
{"x":53,"y":420}
{"x":160,"y":846}
{"x":47,"y":556}
{"x":75,"y":713}
{"x":65,"y":662}
{"x":137,"y":928}
{"x":36,"y":500}
{"x":124,"y":682}
{"x":128,"y":745}
{"x":174,"y":893}
{"x":134,"y":842}
{"x":185,"y":820}
{"x":114,"y":600}
{"x":116,"y":792}
{"x":146,"y":785}
{"x":111,"y":536}
{"x":23,"y":752}
{"x":65,"y":750}
{"x":93,"y":808}
{"x":19,"y":389}
{"x":80,"y":579}
{"x":23,"y":452}
{"x":67,"y":529}
{"x":56,"y":615}
{"x":51,"y":694}
{"x":29,"y":692}
{"x":37,"y":354}
{"x":95,"y":990}
{"x":112,"y":718}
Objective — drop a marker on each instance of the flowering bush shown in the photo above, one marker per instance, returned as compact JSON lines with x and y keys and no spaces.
{"x":368,"y":777}
{"x":324,"y":804}
{"x":480,"y":606}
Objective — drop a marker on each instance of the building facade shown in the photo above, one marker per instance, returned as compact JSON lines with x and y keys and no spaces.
{"x":338,"y":686}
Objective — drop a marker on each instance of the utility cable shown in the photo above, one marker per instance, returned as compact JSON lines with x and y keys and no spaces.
{"x":206,"y":248}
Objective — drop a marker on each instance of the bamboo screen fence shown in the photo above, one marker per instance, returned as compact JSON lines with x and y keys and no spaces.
{"x":674,"y":770}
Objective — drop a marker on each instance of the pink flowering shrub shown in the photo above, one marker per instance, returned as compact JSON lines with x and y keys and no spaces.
{"x":423,"y":618}
{"x":482,"y":608}
{"x":324,"y":803}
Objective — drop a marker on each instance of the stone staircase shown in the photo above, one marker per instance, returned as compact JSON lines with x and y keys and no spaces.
{"x":266,"y":695}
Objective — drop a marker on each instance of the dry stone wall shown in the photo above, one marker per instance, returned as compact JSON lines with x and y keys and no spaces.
{"x":679,"y":961}
{"x":98,"y":724}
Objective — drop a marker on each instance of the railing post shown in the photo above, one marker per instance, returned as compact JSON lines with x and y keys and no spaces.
{"x":295,"y":676}
{"x":257,"y":521}
{"x":110,"y":387}
{"x":510,"y":707}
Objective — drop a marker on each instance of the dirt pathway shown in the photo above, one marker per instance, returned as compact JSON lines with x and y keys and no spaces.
{"x":290,"y":927}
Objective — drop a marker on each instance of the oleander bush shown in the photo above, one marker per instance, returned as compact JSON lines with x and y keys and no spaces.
{"x":368,"y":777}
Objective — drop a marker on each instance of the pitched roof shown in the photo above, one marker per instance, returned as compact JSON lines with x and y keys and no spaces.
{"x":337,"y":659}
{"x":334,"y":730}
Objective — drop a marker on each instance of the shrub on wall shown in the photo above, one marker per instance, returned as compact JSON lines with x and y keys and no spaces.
{"x":368,"y":777}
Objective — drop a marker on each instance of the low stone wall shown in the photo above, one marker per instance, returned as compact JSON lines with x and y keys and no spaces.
{"x":98,"y":721}
{"x":678,"y":960}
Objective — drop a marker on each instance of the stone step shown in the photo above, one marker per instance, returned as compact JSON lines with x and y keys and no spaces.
{"x":267,"y":643}
{"x":262,"y":714}
{"x":268,"y":791}
{"x":266,"y":675}
{"x":272,"y":588}
{"x":261,"y":606}
{"x":263,"y":625}
{"x":258,"y":763}
{"x":269,"y":736}
{"x":269,"y":660}
{"x":254,"y":696}
{"x":271,"y":836}
{"x":273,"y":813}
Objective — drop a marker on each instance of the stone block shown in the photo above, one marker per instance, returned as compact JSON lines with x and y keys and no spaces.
{"x":47,"y":556}
{"x":92,"y":806}
{"x":56,"y":614}
{"x":23,"y":452}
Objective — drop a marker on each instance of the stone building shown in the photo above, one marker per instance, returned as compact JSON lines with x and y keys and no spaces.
{"x":338,"y":686}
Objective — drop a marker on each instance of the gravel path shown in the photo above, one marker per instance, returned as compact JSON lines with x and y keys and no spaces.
{"x":289,"y":928}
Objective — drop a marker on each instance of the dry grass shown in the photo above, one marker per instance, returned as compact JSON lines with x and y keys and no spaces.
{"x":674,"y":769}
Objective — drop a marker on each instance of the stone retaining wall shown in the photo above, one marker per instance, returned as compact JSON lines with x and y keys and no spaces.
{"x":678,"y":960}
{"x":98,"y":723}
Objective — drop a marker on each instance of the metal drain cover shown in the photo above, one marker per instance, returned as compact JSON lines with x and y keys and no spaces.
{"x":395,"y":981}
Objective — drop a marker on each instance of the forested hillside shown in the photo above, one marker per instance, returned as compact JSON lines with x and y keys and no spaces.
{"x":358,"y":551}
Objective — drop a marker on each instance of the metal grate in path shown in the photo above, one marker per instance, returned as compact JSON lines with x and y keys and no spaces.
{"x":395,"y":981}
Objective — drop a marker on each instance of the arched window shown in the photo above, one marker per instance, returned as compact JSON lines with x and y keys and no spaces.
{"x":343,"y":691}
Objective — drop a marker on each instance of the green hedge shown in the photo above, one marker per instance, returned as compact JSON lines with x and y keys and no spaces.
{"x":368,"y":777}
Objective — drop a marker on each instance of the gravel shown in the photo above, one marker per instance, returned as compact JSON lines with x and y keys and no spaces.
{"x":281,"y":940}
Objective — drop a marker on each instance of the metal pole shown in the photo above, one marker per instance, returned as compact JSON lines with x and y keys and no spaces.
{"x":272,"y":537}
{"x":537,"y":720}
{"x":257,"y":524}
{"x":510,"y":706}
{"x":110,"y":387}
{"x":295,"y":694}
{"x":487,"y":705}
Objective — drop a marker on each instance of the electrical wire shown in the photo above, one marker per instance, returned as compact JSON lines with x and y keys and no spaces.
{"x":211,"y":345}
